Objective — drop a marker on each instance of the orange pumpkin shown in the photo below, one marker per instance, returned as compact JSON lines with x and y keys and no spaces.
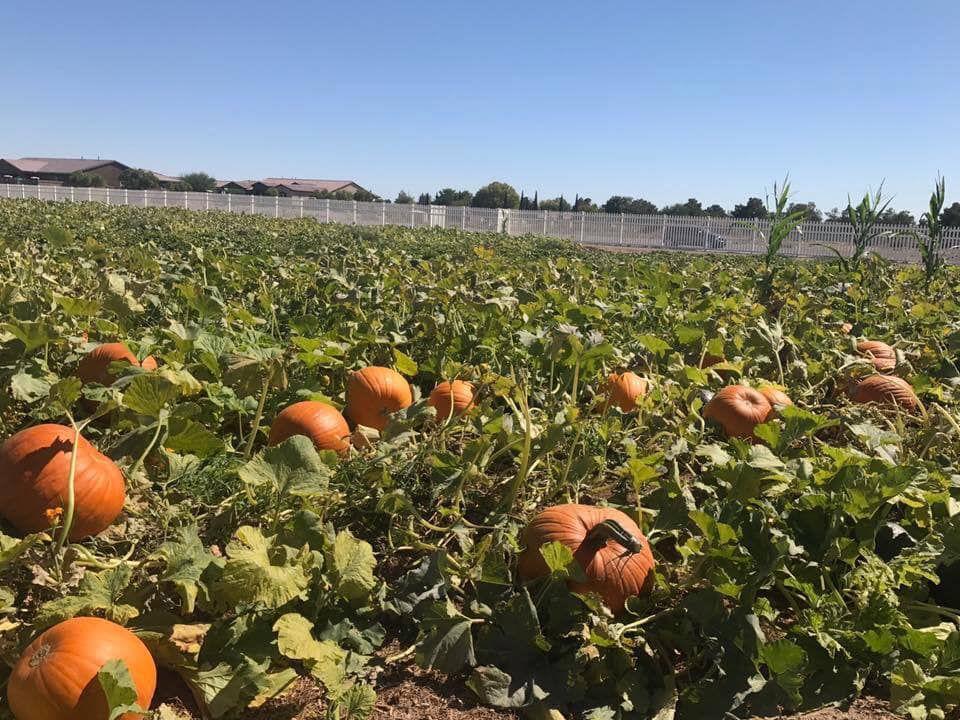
{"x":885,"y":390}
{"x":738,"y":409}
{"x":320,"y":422}
{"x":608,"y":545}
{"x":883,"y":357}
{"x":375,"y":392}
{"x":775,"y":396}
{"x":456,"y":396}
{"x":34,"y":479}
{"x":95,"y":365}
{"x":56,"y":676}
{"x":623,"y":389}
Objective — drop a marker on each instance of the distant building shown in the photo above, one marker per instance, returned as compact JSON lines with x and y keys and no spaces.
{"x":303,"y":187}
{"x":56,"y":171}
{"x":236,"y":187}
{"x":167,"y":182}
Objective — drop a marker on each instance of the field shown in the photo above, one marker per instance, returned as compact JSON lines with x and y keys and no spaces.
{"x":808,"y":563}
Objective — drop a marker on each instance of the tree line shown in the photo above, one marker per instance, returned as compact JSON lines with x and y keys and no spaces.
{"x":502,"y":195}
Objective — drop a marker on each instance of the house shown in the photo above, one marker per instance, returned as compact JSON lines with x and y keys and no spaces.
{"x":167,"y":182}
{"x":235,"y":187}
{"x":304,"y":187}
{"x":56,"y":171}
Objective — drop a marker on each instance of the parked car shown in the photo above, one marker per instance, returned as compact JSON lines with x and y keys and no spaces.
{"x":692,"y":238}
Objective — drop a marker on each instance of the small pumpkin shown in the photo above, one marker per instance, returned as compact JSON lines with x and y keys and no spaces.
{"x":608,"y":545}
{"x":776,"y":397}
{"x":883,"y":357}
{"x":375,"y":392}
{"x":738,"y":409}
{"x":623,"y":389}
{"x":885,"y":390}
{"x":56,"y":676}
{"x":35,"y":475}
{"x":446,"y":396}
{"x":320,"y":422}
{"x":95,"y":365}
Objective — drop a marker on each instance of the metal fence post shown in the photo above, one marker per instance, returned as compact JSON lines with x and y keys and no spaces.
{"x":328,"y":210}
{"x":413,"y":209}
{"x":663,"y":232}
{"x":229,"y":202}
{"x":89,"y":194}
{"x":753,"y":236}
{"x":583,"y":221}
{"x":206,"y":201}
{"x":383,"y":214}
{"x":621,"y":229}
{"x":463,"y":218}
{"x":544,"y":221}
{"x":354,"y":212}
{"x":276,"y":206}
{"x":301,"y":208}
{"x":253,"y":206}
{"x":126,"y":196}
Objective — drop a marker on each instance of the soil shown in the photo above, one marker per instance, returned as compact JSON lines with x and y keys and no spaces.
{"x":862,"y":709}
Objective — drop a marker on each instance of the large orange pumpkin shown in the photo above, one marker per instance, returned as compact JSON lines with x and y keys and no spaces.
{"x":883,"y":357}
{"x":775,"y":396}
{"x":95,"y":365}
{"x":320,"y":422}
{"x":738,"y":409}
{"x":623,"y":389}
{"x":56,"y":677}
{"x":885,"y":390}
{"x":34,"y":479}
{"x":375,"y":392}
{"x":615,"y":568}
{"x":446,"y":396}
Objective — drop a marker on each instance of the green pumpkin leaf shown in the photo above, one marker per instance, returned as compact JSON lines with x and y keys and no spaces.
{"x":260,"y":572}
{"x":352,"y":567}
{"x":405,"y":364}
{"x":119,"y":689}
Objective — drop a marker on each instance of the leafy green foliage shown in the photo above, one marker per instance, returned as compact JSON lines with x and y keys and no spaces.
{"x":797,"y":570}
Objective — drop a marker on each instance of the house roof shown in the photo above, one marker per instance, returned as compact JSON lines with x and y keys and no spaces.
{"x":245,"y":184}
{"x":165,"y":178}
{"x":308,"y":184}
{"x":57,"y":166}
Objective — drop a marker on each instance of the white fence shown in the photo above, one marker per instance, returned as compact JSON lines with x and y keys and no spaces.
{"x":650,"y":232}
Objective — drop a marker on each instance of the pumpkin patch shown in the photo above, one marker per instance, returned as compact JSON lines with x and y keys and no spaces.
{"x":564,"y":482}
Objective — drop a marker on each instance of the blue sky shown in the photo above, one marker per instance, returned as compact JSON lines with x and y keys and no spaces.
{"x":663,"y":100}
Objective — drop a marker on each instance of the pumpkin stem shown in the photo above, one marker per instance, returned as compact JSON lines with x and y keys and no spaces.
{"x":612,"y":530}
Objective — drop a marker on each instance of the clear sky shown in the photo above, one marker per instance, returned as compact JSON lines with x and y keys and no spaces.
{"x":713,"y":99}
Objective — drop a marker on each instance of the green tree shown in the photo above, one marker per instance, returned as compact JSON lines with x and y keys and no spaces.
{"x":138,"y":179}
{"x":424,"y":199}
{"x":691,"y":208}
{"x":951,"y":216}
{"x":585,"y":205}
{"x":449,"y":196}
{"x":85,"y":179}
{"x":557,"y":204}
{"x":754,"y":208}
{"x":810,"y":211}
{"x":900,"y":217}
{"x":626,"y":204}
{"x":364,"y":196}
{"x":199,"y":181}
{"x":496,"y":195}
{"x":403,"y":198}
{"x":715,"y":211}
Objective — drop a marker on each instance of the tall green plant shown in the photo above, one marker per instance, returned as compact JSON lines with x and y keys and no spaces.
{"x":781,"y":225}
{"x":864,"y":219}
{"x":930,"y":244}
